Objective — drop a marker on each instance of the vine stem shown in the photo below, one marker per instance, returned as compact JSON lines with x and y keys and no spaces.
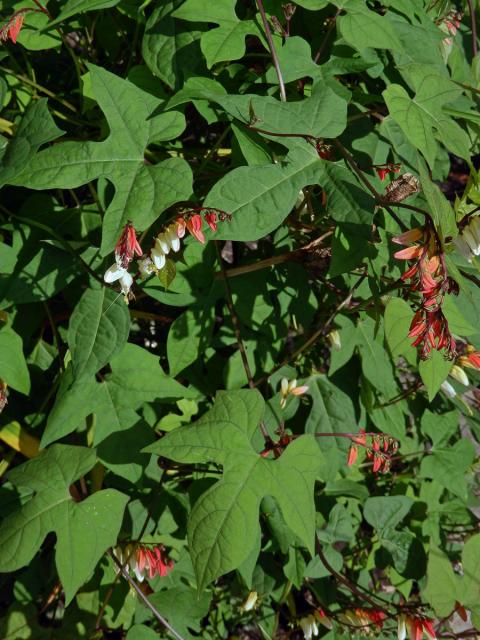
{"x":473,"y":21}
{"x":273,"y":51}
{"x":343,"y":579}
{"x":319,"y":332}
{"x":144,"y":598}
{"x":236,"y":329}
{"x":351,"y":161}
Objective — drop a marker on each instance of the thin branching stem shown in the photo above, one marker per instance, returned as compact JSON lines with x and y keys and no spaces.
{"x":273,"y":51}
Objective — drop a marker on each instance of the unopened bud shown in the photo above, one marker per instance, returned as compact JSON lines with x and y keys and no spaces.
{"x":250,"y":602}
{"x":334,"y":339}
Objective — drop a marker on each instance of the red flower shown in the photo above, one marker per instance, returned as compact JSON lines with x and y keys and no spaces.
{"x":12,"y":28}
{"x":428,"y":275}
{"x":194,"y":226}
{"x":472,"y":359}
{"x":15,"y":28}
{"x":127,"y":246}
{"x":139,"y":559}
{"x":211,"y":220}
{"x":383,"y":170}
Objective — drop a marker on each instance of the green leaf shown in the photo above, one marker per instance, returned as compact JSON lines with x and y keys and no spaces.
{"x":183,"y":608}
{"x":443,"y":586}
{"x":386,"y":512}
{"x":73,"y":7}
{"x":75,"y":400}
{"x":421,"y":118}
{"x":376,"y":364}
{"x":441,"y":210}
{"x":13,"y":368}
{"x":142,"y":191}
{"x":170,"y":50}
{"x":36,"y":128}
{"x":448,"y":467}
{"x":189,"y":336}
{"x":225,"y":42}
{"x":98,"y":330}
{"x":364,"y":28}
{"x":223,"y":526}
{"x":471,"y":568}
{"x":439,"y":427}
{"x":141,"y":632}
{"x":138,"y":377}
{"x":433,"y":372}
{"x":398,"y":316}
{"x":84,"y":530}
{"x":168,"y":273}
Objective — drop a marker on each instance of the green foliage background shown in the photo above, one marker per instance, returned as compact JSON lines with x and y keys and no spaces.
{"x":142,"y":422}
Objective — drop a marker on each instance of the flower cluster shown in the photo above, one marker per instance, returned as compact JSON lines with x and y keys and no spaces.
{"x":468,"y":241}
{"x":309,"y":624}
{"x":379,"y":449}
{"x":383,"y":170}
{"x":125,"y":250}
{"x":142,"y":560}
{"x":416,"y":626}
{"x":363,"y":620}
{"x":428,"y":276}
{"x":290,"y":388}
{"x":166,"y":241}
{"x":11,"y":29}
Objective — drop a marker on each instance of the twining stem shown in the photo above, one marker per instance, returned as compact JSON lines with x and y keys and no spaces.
{"x":333,"y":22}
{"x":473,"y":21}
{"x":351,"y":161}
{"x":40,"y":88}
{"x":344,"y":580}
{"x":236,"y":329}
{"x":273,"y":52}
{"x":323,"y":330}
{"x":144,"y":598}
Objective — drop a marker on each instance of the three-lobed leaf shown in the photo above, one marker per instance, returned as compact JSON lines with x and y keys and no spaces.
{"x":223,"y":526}
{"x":84,"y":530}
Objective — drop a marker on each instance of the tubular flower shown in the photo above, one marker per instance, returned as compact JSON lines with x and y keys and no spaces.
{"x":127,"y":246}
{"x":323,"y":619}
{"x":459,"y":375}
{"x":334,"y":339}
{"x":383,"y":170}
{"x":379,"y":449}
{"x":428,"y":275}
{"x":3,"y":395}
{"x":143,"y":561}
{"x":114,"y":273}
{"x":448,"y":389}
{"x":290,"y":387}
{"x":250,"y":602}
{"x":194,"y":226}
{"x":12,"y":28}
{"x":309,"y":626}
{"x":364,"y":619}
{"x":471,"y":359}
{"x":467,"y":242}
{"x":416,"y":626}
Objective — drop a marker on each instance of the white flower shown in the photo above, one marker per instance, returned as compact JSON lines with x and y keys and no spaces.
{"x":250,"y":601}
{"x":448,"y":389}
{"x":158,"y":256}
{"x":459,"y":374}
{"x":334,"y":339}
{"x":172,"y":237}
{"x":162,"y":243}
{"x":146,"y":267}
{"x":116,"y":272}
{"x":309,"y":626}
{"x":401,"y":628}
